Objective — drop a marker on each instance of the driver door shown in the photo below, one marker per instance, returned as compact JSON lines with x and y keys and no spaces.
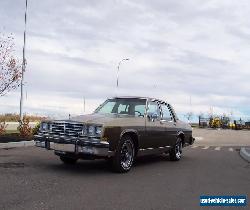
{"x":155,"y":130}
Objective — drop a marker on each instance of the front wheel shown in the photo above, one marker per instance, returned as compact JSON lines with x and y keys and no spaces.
{"x":124,"y":157}
{"x":68,"y":160}
{"x":176,"y":152}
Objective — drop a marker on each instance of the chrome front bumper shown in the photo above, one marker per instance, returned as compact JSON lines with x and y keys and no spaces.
{"x":77,"y":147}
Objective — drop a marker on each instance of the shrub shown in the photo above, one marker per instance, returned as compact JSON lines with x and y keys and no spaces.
{"x":36,"y":128}
{"x":2,"y":127}
{"x":24,"y":129}
{"x":12,"y":117}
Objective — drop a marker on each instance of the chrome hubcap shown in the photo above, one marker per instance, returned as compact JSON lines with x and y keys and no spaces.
{"x":178,"y":150}
{"x":127,"y":154}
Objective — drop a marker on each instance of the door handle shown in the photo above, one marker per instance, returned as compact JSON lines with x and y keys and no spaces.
{"x":163,"y":121}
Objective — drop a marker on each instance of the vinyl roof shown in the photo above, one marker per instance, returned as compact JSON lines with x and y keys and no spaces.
{"x":140,"y":97}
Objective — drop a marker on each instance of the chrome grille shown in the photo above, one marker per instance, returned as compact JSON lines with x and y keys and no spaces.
{"x":71,"y":129}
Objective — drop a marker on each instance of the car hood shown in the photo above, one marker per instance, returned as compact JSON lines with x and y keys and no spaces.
{"x":98,"y":118}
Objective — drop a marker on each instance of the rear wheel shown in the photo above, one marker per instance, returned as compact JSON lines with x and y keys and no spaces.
{"x":124,"y":157}
{"x":68,"y":160}
{"x":175,"y":153}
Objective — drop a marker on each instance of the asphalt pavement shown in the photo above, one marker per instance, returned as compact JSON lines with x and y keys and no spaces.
{"x":33,"y":178}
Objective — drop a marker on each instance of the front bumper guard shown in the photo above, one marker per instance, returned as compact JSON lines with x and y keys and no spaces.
{"x":192,"y":140}
{"x":76,"y":146}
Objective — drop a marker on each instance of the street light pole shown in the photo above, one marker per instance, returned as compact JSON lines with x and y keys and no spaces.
{"x":24,"y":63}
{"x":118,"y":69}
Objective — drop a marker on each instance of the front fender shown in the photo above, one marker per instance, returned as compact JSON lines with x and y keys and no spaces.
{"x":112,"y":134}
{"x":129,"y":131}
{"x":180,"y":133}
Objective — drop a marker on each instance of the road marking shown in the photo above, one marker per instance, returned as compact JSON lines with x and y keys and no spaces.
{"x":207,"y":147}
{"x":198,"y":138}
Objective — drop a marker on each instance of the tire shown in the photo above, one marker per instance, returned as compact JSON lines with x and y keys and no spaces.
{"x":68,"y":160}
{"x":175,"y":153}
{"x":124,"y":156}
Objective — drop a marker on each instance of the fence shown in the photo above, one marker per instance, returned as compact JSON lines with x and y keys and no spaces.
{"x":14,"y":125}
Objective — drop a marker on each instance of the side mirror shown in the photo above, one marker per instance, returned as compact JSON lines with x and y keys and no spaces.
{"x":152,"y":116}
{"x":169,"y":119}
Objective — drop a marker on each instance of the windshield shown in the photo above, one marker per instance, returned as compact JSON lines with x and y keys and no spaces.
{"x":128,"y":106}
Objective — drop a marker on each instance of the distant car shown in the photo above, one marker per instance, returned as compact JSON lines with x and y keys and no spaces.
{"x":119,"y":130}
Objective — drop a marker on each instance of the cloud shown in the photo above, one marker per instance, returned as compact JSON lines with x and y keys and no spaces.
{"x":176,"y":50}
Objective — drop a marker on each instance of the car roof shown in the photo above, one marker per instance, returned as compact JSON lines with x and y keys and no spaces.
{"x":146,"y":98}
{"x":139,"y":97}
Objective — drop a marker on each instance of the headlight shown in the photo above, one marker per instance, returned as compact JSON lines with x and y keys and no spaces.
{"x":91,"y":130}
{"x":44,"y":126}
{"x":50,"y":126}
{"x":84,"y":131}
{"x":98,"y":130}
{"x":94,"y":130}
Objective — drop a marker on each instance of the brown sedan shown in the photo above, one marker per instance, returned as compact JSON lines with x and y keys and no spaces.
{"x":119,"y":130}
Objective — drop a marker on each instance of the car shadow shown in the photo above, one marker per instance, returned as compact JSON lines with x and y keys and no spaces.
{"x":150,"y":159}
{"x":82,"y":166}
{"x":102,"y":166}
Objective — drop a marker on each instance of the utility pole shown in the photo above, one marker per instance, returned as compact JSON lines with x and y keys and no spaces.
{"x":24,"y":63}
{"x":84,"y":104}
{"x":118,"y":69}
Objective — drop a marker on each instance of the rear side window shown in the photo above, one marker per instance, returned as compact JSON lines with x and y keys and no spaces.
{"x":166,"y":114}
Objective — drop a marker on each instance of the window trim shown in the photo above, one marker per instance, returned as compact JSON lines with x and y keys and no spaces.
{"x":172,"y":113}
{"x":158,"y":105}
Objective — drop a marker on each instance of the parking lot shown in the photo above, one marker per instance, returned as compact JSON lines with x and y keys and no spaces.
{"x":33,"y":178}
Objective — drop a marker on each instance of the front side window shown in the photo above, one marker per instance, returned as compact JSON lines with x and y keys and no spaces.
{"x":140,"y":110}
{"x":153,"y":109}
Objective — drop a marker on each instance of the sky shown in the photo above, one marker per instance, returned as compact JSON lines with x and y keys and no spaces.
{"x":193,"y":54}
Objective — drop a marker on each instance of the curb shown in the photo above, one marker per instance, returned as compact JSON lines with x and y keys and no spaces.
{"x":17,"y":144}
{"x":245,"y":154}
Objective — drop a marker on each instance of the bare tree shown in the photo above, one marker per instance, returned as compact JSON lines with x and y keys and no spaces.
{"x":189,"y":116}
{"x":10,"y":67}
{"x":200,"y":115}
